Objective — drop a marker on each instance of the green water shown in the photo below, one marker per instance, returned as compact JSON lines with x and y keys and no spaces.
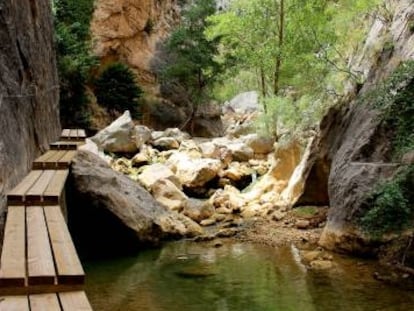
{"x":185,"y":276}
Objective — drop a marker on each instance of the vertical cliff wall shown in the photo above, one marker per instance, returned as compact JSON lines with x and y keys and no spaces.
{"x":359,"y":146}
{"x":129,"y":30}
{"x":28,"y":88}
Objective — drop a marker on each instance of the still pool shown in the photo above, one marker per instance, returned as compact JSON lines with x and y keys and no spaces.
{"x":185,"y":276}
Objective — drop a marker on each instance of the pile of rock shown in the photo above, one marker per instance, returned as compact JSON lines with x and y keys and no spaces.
{"x":221,"y":181}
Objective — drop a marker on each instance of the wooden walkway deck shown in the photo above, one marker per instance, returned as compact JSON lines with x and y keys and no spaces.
{"x":39,"y":265}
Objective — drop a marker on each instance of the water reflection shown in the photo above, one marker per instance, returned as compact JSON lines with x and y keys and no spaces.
{"x":185,"y":276}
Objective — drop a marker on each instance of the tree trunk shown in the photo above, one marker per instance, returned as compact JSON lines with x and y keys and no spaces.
{"x":281,"y":42}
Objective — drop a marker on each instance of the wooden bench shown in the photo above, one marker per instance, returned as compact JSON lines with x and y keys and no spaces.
{"x":73,"y":135}
{"x":66,"y":145}
{"x":67,"y":301}
{"x":38,"y":252}
{"x":40,"y":187}
{"x":54,"y":160}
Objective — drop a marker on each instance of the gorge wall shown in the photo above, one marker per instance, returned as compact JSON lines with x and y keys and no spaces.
{"x":353,"y":141}
{"x":130,"y":30}
{"x":29,"y":91}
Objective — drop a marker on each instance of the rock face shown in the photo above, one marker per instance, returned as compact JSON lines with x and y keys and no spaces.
{"x":355,"y":143}
{"x":100,"y":190}
{"x":118,"y":136}
{"x":28,"y":88}
{"x":359,"y":154}
{"x":129,"y":30}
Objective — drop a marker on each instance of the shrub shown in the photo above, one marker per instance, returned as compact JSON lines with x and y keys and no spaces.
{"x":117,"y":90}
{"x":395,"y":101}
{"x":390,"y":208}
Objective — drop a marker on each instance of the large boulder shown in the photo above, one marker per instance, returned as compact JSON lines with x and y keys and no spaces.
{"x":260,"y":144}
{"x":194,"y":173}
{"x":240,"y":151}
{"x":169,"y":195}
{"x":142,"y":135}
{"x":108,"y":195}
{"x":243,"y":103}
{"x":118,"y":137}
{"x":155,"y":172}
{"x":198,"y":210}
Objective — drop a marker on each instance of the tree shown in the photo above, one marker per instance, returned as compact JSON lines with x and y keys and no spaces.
{"x":74,"y":59}
{"x":273,"y":38}
{"x":116,"y":90}
{"x":190,"y":66}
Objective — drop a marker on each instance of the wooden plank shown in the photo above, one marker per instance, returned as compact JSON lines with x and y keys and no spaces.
{"x":65,"y":133}
{"x":44,"y":157}
{"x":81,"y":133}
{"x":48,"y":157}
{"x":44,"y":302}
{"x":74,"y":301}
{"x":14,"y":303}
{"x":55,"y":188}
{"x":73,"y":133}
{"x":13,"y":257}
{"x":68,"y":266}
{"x":17,"y":195}
{"x":66,"y":159}
{"x":40,"y":264}
{"x":35,"y":194}
{"x":52,"y":162}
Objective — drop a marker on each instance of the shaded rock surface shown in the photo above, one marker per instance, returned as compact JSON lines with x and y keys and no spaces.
{"x":29,"y":91}
{"x":102,"y":191}
{"x":118,"y":136}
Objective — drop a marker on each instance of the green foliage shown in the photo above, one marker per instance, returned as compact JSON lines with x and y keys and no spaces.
{"x":190,"y":60}
{"x":395,"y":100}
{"x":285,"y":114}
{"x":390,"y":208}
{"x":75,"y":61}
{"x":116,"y":90}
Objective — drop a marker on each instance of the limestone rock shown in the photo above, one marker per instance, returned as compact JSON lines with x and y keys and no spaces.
{"x":321,"y":264}
{"x":166,"y":143}
{"x":155,"y":172}
{"x":131,"y":31}
{"x":240,"y":151}
{"x":118,"y":136}
{"x":176,"y":134}
{"x":357,"y":165}
{"x":198,"y":210}
{"x":243,"y":103}
{"x":140,"y":159}
{"x":259,"y":144}
{"x":28,"y":67}
{"x":210,"y":150}
{"x":101,"y":190}
{"x":142,"y":135}
{"x":169,"y":195}
{"x":197,"y":172}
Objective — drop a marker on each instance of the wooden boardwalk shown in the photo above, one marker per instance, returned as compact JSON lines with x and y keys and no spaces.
{"x":39,"y":265}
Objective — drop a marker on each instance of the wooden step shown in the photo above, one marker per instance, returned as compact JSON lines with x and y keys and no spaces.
{"x":38,"y":253}
{"x":40,"y":187}
{"x":54,"y":160}
{"x":73,"y":135}
{"x":66,"y":145}
{"x":66,"y":301}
